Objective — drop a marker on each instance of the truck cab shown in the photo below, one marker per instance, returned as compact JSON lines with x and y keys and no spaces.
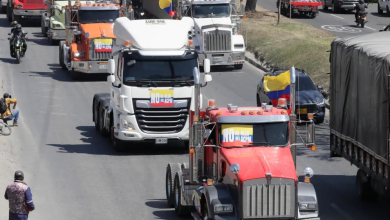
{"x":89,"y":37}
{"x":151,"y":86}
{"x":24,"y":9}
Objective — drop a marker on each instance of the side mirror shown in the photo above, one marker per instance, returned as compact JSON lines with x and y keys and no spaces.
{"x":207,"y":78}
{"x":206,"y":65}
{"x":111,"y":66}
{"x":111,"y":78}
{"x":53,"y":7}
{"x":319,"y":87}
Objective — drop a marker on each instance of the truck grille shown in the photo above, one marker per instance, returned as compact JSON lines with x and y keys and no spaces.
{"x":99,"y":56}
{"x":34,"y":2}
{"x":217,"y":41}
{"x":161,"y":120}
{"x":276,"y":200}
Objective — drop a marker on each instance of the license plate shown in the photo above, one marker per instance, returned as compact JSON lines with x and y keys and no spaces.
{"x":161,"y":140}
{"x":103,"y":67}
{"x":302,"y":111}
{"x":217,"y":59}
{"x":305,"y":9}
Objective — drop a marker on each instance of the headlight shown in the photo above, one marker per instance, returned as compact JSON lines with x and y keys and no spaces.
{"x":127,"y":125}
{"x":307,"y":206}
{"x":321,"y":103}
{"x":57,"y":26}
{"x":20,"y":6}
{"x":308,"y":172}
{"x":17,"y":44}
{"x":221,"y":208}
{"x":77,"y":54}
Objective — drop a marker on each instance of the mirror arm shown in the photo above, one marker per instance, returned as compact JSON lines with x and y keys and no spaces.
{"x":203,"y":85}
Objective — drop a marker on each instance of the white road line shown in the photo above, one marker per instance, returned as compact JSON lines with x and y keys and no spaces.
{"x":336,"y":16}
{"x":341,"y":212}
{"x":371,"y":28}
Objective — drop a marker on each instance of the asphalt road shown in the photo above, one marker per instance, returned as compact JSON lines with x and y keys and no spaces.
{"x":75,"y":174}
{"x":341,"y":24}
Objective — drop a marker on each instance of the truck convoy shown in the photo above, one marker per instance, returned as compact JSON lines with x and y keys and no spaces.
{"x":24,"y":9}
{"x":215,"y":28}
{"x":300,"y":7}
{"x":89,"y":37}
{"x":151,"y":86}
{"x":359,"y":109}
{"x":242,"y":164}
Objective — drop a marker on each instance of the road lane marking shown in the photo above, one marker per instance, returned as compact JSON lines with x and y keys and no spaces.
{"x":371,"y":28}
{"x":341,"y":28}
{"x":336,"y":16}
{"x":341,"y":212}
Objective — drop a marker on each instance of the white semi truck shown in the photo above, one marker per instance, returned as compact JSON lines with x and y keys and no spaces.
{"x":215,"y":28}
{"x":151,"y":84}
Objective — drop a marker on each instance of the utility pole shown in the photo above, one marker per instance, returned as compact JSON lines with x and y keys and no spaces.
{"x":279,"y":11}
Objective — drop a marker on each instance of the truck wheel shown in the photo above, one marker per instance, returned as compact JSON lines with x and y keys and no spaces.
{"x":102,"y":130}
{"x":387,"y":11}
{"x":9,"y":11}
{"x":43,"y":27}
{"x":362,"y":185}
{"x":172,"y":169}
{"x":380,"y":11}
{"x":205,"y":213}
{"x":61,"y":56}
{"x":179,"y":209}
{"x":238,"y":66}
{"x":96,"y":115}
{"x":334,"y":9}
{"x":3,"y":9}
{"x":325,"y":7}
{"x":116,"y":143}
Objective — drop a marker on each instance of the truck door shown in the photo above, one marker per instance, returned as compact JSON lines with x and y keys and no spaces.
{"x":115,"y":89}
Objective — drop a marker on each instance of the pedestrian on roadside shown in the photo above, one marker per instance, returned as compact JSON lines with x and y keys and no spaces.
{"x":19,"y":196}
{"x":8,"y":114}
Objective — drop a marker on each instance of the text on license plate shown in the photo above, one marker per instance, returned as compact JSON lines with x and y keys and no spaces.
{"x":217,"y":59}
{"x":161,"y":140}
{"x":302,"y":111}
{"x":103,"y":67}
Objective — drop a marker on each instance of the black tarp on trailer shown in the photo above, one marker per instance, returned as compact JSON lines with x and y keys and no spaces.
{"x":359,"y":104}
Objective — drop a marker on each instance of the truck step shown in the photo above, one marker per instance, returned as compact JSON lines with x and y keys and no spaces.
{"x":195,"y":216}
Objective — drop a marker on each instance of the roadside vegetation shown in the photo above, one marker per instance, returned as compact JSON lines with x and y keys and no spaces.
{"x":287,"y":44}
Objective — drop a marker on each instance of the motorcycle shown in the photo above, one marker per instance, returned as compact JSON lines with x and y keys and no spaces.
{"x":18,"y":44}
{"x":362,"y":19}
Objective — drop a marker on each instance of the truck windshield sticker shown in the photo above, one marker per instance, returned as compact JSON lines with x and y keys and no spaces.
{"x":236,"y":135}
{"x":161,"y":98}
{"x":103,"y":45}
{"x":155,"y":21}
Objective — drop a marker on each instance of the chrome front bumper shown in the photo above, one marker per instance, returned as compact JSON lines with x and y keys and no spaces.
{"x":3,"y":3}
{"x":29,"y":13}
{"x":57,"y":34}
{"x":223,"y":59}
{"x":89,"y":66}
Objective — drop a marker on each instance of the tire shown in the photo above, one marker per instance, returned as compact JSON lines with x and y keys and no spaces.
{"x":387,"y":11}
{"x":238,"y":66}
{"x":362,"y":24}
{"x":103,"y":131}
{"x":332,"y":154}
{"x":3,"y":9}
{"x":61,"y":56}
{"x":258,"y":102}
{"x":51,"y":41}
{"x":43,"y":28}
{"x":5,"y":130}
{"x":205,"y":213}
{"x":172,"y":169}
{"x":320,"y":120}
{"x":116,"y":143}
{"x":9,"y":11}
{"x":313,"y":15}
{"x":325,"y":7}
{"x":334,"y":9}
{"x":380,"y":11}
{"x":18,"y":58}
{"x":363,"y":188}
{"x":96,"y":116}
{"x":179,"y":209}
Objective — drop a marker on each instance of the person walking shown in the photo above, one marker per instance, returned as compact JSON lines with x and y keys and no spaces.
{"x":19,"y":196}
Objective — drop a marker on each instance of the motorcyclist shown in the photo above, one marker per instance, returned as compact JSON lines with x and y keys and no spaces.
{"x":17,"y":31}
{"x":13,"y":24}
{"x":360,"y":8}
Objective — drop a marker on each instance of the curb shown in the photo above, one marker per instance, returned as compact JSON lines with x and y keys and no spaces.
{"x":257,"y":64}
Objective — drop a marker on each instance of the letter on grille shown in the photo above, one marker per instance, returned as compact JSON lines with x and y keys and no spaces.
{"x":276,"y":200}
{"x":99,"y":56}
{"x":217,"y":41}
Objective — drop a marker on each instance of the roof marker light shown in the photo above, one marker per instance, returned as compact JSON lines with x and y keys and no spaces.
{"x":251,"y":112}
{"x":232,"y":107}
{"x":219,"y":113}
{"x":284,"y":112}
{"x":282,"y":103}
{"x":211,"y":102}
{"x":243,"y":113}
{"x":260,"y":112}
{"x":127,"y":43}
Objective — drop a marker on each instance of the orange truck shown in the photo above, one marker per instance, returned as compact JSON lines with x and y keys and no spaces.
{"x":89,"y":36}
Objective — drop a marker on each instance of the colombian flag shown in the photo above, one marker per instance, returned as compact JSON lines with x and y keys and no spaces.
{"x":166,"y":5}
{"x":278,"y":87}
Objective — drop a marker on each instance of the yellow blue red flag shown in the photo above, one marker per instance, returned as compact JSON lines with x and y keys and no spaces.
{"x":277,"y":86}
{"x":236,"y":135}
{"x":166,"y":5}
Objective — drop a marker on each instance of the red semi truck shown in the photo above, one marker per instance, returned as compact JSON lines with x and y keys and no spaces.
{"x":25,"y":9}
{"x":299,"y":7}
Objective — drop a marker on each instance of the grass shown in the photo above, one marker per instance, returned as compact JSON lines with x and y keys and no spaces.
{"x":287,"y":44}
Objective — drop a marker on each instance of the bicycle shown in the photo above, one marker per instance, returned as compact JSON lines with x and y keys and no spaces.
{"x":5,"y":129}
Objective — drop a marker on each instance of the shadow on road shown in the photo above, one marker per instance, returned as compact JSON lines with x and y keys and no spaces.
{"x":376,"y":14}
{"x":164,"y":211}
{"x":8,"y":60}
{"x":59,"y":74}
{"x":223,"y":69}
{"x":94,"y":143}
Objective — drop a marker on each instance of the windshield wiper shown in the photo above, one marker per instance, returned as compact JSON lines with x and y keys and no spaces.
{"x":258,"y":143}
{"x":149,"y":81}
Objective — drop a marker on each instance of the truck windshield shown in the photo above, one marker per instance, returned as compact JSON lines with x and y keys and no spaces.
{"x":248,"y":135}
{"x":158,"y":70}
{"x":98,"y":16}
{"x":211,"y":11}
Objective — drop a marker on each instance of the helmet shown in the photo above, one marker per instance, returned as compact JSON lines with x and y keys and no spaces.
{"x":361,"y":2}
{"x":14,"y":23}
{"x":19,"y":175}
{"x":6,"y":95}
{"x":18,"y":27}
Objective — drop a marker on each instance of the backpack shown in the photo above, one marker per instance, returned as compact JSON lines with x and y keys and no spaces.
{"x":3,"y":106}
